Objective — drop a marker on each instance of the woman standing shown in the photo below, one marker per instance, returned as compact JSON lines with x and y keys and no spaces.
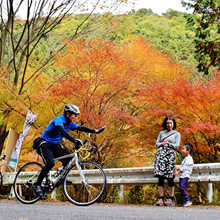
{"x":167,"y":142}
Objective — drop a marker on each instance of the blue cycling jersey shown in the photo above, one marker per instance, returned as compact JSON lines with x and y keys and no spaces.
{"x":52,"y":134}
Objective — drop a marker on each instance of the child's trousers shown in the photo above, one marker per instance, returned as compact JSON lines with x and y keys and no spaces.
{"x":182,"y":186}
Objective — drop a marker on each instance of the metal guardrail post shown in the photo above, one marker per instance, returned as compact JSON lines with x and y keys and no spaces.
{"x":121,"y":191}
{"x":209,"y":192}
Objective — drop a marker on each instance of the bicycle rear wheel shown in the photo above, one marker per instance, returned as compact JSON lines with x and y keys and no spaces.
{"x":1,"y":178}
{"x":24,"y":183}
{"x":84,"y":193}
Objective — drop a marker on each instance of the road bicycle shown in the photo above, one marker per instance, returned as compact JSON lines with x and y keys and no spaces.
{"x":3,"y":161}
{"x":83,"y":182}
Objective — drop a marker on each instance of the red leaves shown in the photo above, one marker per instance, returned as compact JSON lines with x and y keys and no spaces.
{"x":195,"y":105}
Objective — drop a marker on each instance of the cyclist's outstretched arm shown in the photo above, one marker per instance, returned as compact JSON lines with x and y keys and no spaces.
{"x":80,"y":128}
{"x":90,"y":130}
{"x":68,"y":136}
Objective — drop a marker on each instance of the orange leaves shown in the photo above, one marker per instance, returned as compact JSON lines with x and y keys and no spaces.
{"x":203,"y":127}
{"x":110,"y":83}
{"x":69,"y":86}
{"x":98,"y":73}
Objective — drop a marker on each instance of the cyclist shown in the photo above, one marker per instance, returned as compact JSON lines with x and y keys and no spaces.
{"x":50,"y":147}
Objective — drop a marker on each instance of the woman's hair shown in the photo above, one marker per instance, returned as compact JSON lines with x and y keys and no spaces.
{"x":189,"y":147}
{"x":164,"y":125}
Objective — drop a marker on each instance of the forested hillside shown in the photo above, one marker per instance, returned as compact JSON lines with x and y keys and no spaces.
{"x":136,"y":67}
{"x":169,"y":32}
{"x":123,"y":71}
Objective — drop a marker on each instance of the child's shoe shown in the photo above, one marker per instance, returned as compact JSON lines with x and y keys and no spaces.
{"x":169,"y":202}
{"x":187,"y":203}
{"x":159,"y":202}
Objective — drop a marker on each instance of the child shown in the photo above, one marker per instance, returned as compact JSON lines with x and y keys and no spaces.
{"x":185,"y":171}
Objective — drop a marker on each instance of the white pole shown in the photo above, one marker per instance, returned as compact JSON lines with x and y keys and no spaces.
{"x":121,"y":191}
{"x":54,"y":194}
{"x":209,"y":193}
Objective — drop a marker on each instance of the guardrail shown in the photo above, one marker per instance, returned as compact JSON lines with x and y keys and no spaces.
{"x":202,"y":173}
{"x":206,"y":173}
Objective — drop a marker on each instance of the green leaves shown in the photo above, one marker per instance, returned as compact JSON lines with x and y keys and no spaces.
{"x":207,"y":28}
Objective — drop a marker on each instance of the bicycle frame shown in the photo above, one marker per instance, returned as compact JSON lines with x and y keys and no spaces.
{"x":75,"y":159}
{"x":73,"y":156}
{"x":3,"y":161}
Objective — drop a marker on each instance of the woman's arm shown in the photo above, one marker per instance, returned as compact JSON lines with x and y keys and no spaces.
{"x":158,"y":142}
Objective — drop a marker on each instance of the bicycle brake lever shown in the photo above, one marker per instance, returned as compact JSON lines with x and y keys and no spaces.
{"x":92,"y":149}
{"x":85,"y":142}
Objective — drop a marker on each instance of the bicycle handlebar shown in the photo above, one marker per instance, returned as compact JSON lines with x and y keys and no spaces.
{"x":77,"y":149}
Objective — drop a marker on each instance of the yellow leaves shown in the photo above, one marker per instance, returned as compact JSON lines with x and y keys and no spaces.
{"x":132,"y":27}
{"x":152,"y":62}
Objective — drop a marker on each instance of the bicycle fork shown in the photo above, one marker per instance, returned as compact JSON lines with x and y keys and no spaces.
{"x":81,"y":172}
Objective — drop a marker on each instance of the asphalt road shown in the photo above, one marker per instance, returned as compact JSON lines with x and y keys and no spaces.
{"x":63,"y":211}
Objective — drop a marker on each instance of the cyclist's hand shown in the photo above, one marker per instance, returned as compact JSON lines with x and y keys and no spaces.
{"x":78,"y":142}
{"x":100,"y":130}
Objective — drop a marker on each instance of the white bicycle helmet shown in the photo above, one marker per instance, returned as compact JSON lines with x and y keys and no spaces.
{"x":72,"y":109}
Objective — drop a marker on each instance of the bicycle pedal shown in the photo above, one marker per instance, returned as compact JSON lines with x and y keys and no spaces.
{"x":44,"y":197}
{"x":68,"y":182}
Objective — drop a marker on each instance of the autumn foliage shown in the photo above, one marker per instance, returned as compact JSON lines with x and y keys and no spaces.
{"x":129,"y":88}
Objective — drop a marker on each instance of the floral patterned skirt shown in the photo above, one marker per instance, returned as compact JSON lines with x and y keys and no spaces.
{"x":165,"y":162}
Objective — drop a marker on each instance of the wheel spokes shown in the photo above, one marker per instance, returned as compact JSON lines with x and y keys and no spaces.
{"x":88,"y":184}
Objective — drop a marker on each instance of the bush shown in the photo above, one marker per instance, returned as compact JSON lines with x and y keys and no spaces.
{"x":111,"y":194}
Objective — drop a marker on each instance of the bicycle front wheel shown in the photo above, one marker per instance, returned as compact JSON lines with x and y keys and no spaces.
{"x":86,"y":185}
{"x":24,"y":183}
